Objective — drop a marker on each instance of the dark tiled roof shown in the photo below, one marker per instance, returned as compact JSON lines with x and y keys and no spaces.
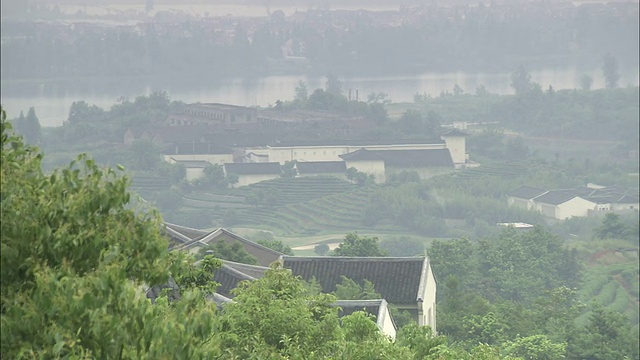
{"x":404,"y":158}
{"x":173,"y":293}
{"x":416,"y":158}
{"x":200,"y":164}
{"x":263,"y":254}
{"x":185,"y":232}
{"x":362,"y":155}
{"x":255,"y":271}
{"x":362,"y":143}
{"x":348,"y":307}
{"x":628,"y":199}
{"x":398,"y":280}
{"x":229,"y":278}
{"x":554,"y":198}
{"x":455,"y":132}
{"x":272,"y":168}
{"x":526,"y":192}
{"x":321,"y":167}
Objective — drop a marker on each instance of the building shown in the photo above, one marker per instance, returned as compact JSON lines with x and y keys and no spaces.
{"x":407,"y":283}
{"x":251,"y":173}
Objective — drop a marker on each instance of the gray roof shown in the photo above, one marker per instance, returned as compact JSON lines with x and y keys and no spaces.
{"x":554,"y":198}
{"x":398,"y":280}
{"x":455,"y":132}
{"x":193,"y":164}
{"x":526,"y":192}
{"x":362,"y":143}
{"x":263,"y":254}
{"x":173,"y":291}
{"x":270,"y":168}
{"x":378,"y":308}
{"x":181,"y":235}
{"x":403,"y":158}
{"x":229,"y":278}
{"x":321,"y":167}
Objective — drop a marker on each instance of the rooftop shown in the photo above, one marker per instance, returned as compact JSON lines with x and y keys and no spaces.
{"x":253,"y":168}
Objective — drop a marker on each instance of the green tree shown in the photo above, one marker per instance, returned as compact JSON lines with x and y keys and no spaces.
{"x":75,"y":256}
{"x":536,"y":347}
{"x":321,"y":249}
{"x":607,"y":335}
{"x":289,"y":169}
{"x":232,"y":252}
{"x":302,"y":94}
{"x":612,"y":228}
{"x":521,"y":81}
{"x":351,"y":290}
{"x":31,"y":128}
{"x":146,"y":156}
{"x":276,"y":245}
{"x":585,"y":82}
{"x":354,"y":245}
{"x":610,"y":71}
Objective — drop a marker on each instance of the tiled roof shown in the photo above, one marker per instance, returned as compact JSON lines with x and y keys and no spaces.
{"x":192,"y":164}
{"x":272,"y":168}
{"x":362,"y":155}
{"x":403,"y":158}
{"x":229,"y":278}
{"x":378,"y":308}
{"x":181,"y":235}
{"x":527,"y":192}
{"x":173,"y":293}
{"x":398,"y":280}
{"x":362,"y":143}
{"x":455,"y":132}
{"x":321,"y":167}
{"x":255,"y":271}
{"x":554,"y":198}
{"x":263,"y":254}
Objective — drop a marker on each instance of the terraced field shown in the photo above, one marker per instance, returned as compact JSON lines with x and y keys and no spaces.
{"x":295,"y":190}
{"x":612,"y":280}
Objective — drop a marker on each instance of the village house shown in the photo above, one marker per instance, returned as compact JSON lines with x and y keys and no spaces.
{"x":590,"y":200}
{"x":251,"y":173}
{"x":407,"y":283}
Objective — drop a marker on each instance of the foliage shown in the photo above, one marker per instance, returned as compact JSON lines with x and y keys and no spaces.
{"x":321,"y":249}
{"x":402,"y":246}
{"x":537,"y":347}
{"x":350,"y":290}
{"x":613,"y":227}
{"x":226,"y":251}
{"x":276,"y":245}
{"x":610,"y":71}
{"x":354,"y":245}
{"x":75,"y":256}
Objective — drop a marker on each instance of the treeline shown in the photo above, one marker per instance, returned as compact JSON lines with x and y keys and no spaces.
{"x":484,"y":38}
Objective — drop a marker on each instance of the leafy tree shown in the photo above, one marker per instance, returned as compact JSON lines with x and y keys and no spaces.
{"x":521,"y":81}
{"x":146,"y":156}
{"x":607,"y":335}
{"x":301,"y":92}
{"x":321,"y":249}
{"x":535,"y":347}
{"x":74,"y":258}
{"x":289,"y":169}
{"x":31,"y":127}
{"x":276,"y":245}
{"x":232,"y":252}
{"x":585,"y":82}
{"x":612,"y":228}
{"x":350,"y":290}
{"x":610,"y":71}
{"x":333,"y":85}
{"x":354,"y":245}
{"x":402,"y":246}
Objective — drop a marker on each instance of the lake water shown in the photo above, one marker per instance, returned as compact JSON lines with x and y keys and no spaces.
{"x":52,"y":101}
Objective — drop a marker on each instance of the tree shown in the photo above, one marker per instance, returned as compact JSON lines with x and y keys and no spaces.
{"x":612,"y":228}
{"x":354,"y":245}
{"x":457,"y":90}
{"x":75,"y":256}
{"x":302,"y":93}
{"x":333,"y":85}
{"x":232,"y":252}
{"x":521,"y":81}
{"x":321,"y":249}
{"x":607,"y":335}
{"x":31,"y":127}
{"x":146,"y":156}
{"x":585,"y":82}
{"x":610,"y":71}
{"x":350,"y":290}
{"x":535,"y":347}
{"x":289,"y":169}
{"x":276,"y":245}
{"x":411,"y":122}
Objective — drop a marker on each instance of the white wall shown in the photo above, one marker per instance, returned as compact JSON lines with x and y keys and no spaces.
{"x":332,"y":153}
{"x":429,"y":301}
{"x":457,"y":148}
{"x":194,"y":173}
{"x":574,"y":207}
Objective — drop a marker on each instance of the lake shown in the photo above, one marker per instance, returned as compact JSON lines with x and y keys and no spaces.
{"x":53,"y":99}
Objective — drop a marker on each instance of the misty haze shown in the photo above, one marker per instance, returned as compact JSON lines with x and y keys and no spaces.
{"x":281,"y":179}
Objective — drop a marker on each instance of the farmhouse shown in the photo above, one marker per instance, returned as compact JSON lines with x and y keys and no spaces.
{"x":589,"y":200}
{"x":251,"y":173}
{"x":406,"y":282}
